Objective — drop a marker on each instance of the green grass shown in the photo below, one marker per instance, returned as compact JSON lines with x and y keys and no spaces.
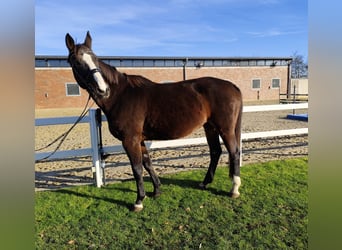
{"x":271,"y":213}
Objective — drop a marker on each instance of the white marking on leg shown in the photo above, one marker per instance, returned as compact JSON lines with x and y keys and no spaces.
{"x":138,"y":206}
{"x":236,"y":185}
{"x":97,"y":75}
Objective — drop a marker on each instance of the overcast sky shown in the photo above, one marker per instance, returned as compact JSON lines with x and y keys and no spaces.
{"x":175,"y":28}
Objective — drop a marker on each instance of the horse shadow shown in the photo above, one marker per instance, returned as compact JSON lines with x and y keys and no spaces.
{"x":165,"y":181}
{"x":119,"y":202}
{"x":192,"y":184}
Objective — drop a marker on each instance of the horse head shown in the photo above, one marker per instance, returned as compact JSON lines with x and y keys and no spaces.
{"x":85,"y":66}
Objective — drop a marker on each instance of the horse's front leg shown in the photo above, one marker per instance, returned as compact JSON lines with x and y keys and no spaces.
{"x":133,"y":150}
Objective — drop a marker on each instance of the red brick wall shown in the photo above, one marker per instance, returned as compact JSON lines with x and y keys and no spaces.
{"x":50,"y":89}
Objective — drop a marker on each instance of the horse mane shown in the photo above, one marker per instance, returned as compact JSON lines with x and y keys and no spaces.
{"x":112,"y":75}
{"x":138,"y":81}
{"x":109,"y":73}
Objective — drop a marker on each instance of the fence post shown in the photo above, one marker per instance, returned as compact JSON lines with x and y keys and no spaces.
{"x":294,"y":98}
{"x":96,"y":154}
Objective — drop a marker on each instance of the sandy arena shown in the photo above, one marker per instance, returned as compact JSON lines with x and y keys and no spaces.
{"x":71,"y":172}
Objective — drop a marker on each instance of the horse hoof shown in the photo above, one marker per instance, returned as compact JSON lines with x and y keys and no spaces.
{"x":157,"y":194}
{"x":137,"y":207}
{"x":233,"y":195}
{"x":202,"y":186}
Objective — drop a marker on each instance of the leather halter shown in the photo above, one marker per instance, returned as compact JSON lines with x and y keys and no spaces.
{"x":93,"y":71}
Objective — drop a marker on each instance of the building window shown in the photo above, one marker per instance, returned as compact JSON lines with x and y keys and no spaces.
{"x":244,"y":63}
{"x":275,"y":83}
{"x":148,"y":63}
{"x":190,"y":63}
{"x":217,"y":63}
{"x":235,"y":63}
{"x":72,"y":89}
{"x":169,"y":63}
{"x":127,"y":63}
{"x":269,"y":63}
{"x":114,"y":62}
{"x":64,"y":63}
{"x":208,"y":63}
{"x":138,"y":63}
{"x":252,"y":63}
{"x":41,"y":63}
{"x":226,"y":63}
{"x":256,"y":84}
{"x":260,"y":62}
{"x":179,"y":63}
{"x":159,"y":63}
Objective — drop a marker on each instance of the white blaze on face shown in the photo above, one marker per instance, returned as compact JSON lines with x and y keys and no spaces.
{"x":97,"y":75}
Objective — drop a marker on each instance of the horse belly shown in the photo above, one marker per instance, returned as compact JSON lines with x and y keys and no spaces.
{"x":173,"y":123}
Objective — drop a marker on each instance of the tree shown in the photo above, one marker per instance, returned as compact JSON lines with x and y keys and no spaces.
{"x":299,"y":68}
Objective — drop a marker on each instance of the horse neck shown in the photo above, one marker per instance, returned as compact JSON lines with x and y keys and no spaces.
{"x":110,"y":73}
{"x":115,"y":81}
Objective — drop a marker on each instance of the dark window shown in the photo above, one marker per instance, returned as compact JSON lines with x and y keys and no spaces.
{"x":283,"y":62}
{"x":148,"y":63}
{"x":235,"y":63}
{"x":54,"y":63}
{"x":126,"y":63}
{"x":277,"y":62}
{"x":138,"y":63}
{"x":256,"y":84}
{"x":190,"y":63}
{"x":169,"y":63}
{"x":208,"y":63}
{"x":261,"y":62}
{"x":275,"y":83}
{"x":269,"y":63}
{"x":72,"y":89}
{"x":226,"y":63}
{"x":244,"y":63}
{"x":64,"y":63}
{"x":217,"y":63}
{"x":252,"y":63}
{"x":114,"y":62}
{"x":159,"y":63}
{"x":40,"y":63}
{"x":179,"y":63}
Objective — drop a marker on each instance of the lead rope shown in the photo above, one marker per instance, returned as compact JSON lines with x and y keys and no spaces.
{"x":63,"y":136}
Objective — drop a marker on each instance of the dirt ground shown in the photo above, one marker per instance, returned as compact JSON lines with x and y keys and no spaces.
{"x":77,"y":171}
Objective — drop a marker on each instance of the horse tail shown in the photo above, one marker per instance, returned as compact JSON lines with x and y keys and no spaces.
{"x":238,"y":126}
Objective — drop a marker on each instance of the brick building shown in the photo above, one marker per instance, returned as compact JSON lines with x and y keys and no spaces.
{"x":258,"y":78}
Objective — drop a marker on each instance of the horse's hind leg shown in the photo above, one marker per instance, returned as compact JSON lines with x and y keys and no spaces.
{"x":213,"y":140}
{"x":233,"y":147}
{"x":148,"y":166}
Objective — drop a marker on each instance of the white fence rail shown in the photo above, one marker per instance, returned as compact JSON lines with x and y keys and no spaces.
{"x":95,"y":151}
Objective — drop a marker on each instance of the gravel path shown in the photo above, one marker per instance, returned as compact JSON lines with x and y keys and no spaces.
{"x":56,"y":174}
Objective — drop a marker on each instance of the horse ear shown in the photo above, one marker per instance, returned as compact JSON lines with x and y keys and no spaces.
{"x":69,"y":42}
{"x":87,"y":40}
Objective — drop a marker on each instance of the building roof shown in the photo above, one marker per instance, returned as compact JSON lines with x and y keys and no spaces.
{"x":162,"y":61}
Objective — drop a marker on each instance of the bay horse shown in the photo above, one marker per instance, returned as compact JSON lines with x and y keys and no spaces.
{"x":138,"y":109}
